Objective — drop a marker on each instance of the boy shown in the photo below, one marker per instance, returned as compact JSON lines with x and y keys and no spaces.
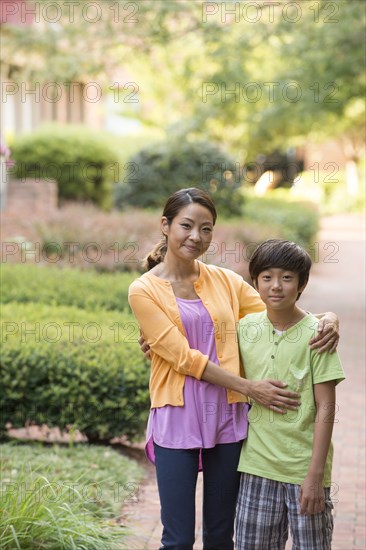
{"x":286,"y":460}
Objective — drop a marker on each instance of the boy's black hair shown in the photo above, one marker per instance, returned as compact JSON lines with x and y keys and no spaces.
{"x":283,"y":254}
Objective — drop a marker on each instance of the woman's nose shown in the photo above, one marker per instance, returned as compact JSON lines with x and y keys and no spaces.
{"x":195,"y":235}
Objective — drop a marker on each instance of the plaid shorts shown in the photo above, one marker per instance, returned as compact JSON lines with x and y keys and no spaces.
{"x":265,"y":509}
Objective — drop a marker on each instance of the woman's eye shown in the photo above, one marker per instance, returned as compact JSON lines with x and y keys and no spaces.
{"x":207,"y":229}
{"x":184,"y":225}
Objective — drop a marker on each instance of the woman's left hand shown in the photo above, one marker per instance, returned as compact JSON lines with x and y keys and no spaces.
{"x":328,"y":334}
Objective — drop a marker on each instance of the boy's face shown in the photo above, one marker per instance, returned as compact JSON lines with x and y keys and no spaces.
{"x":278,"y":288}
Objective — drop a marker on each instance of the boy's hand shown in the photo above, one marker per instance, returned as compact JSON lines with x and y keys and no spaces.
{"x":328,"y":334}
{"x":144,"y":347}
{"x":311,"y":497}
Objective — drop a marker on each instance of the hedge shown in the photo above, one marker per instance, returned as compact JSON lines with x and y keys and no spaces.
{"x":296,"y":221}
{"x":161,"y":169}
{"x":90,"y":375}
{"x":88,"y":290}
{"x":84,"y":163}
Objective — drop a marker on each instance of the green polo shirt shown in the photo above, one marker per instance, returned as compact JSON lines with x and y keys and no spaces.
{"x":279,"y":447}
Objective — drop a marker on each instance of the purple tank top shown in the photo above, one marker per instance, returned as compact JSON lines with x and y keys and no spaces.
{"x":206,"y":418}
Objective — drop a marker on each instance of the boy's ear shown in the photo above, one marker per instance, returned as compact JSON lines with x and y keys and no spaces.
{"x":300,"y":290}
{"x":302,"y":287}
{"x":255,"y":283}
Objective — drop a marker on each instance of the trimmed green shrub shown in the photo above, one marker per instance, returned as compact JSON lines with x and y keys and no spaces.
{"x":68,"y":367}
{"x":159,"y":170}
{"x":296,"y":221}
{"x":49,"y":285}
{"x":84,"y":163}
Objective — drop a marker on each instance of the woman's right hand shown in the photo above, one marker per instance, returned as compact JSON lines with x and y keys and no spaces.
{"x":273,"y":395}
{"x":144,"y":347}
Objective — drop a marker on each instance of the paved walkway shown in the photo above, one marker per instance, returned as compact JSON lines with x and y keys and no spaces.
{"x":337,"y":284}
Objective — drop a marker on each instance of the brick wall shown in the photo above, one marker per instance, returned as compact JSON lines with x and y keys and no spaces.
{"x":327,"y":152}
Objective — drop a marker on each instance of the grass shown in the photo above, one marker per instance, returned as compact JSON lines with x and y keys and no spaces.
{"x":64,"y":498}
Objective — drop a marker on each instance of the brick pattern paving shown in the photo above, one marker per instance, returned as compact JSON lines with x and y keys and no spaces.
{"x":342,"y":283}
{"x":337,"y":284}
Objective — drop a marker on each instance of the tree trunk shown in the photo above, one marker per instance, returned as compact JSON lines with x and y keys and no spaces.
{"x":352,"y":177}
{"x":352,"y":148}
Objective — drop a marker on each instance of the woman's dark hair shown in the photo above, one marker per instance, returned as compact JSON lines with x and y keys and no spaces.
{"x":172,"y":207}
{"x":283,"y":254}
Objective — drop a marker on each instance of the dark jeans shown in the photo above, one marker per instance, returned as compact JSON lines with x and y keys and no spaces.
{"x":176,"y":471}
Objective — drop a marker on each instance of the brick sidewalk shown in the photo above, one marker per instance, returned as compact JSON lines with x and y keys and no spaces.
{"x":337,"y":284}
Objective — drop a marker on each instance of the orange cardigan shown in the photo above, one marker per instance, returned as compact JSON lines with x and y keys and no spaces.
{"x":227,"y":298}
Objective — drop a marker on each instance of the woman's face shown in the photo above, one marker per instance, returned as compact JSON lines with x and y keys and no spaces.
{"x":190,"y":233}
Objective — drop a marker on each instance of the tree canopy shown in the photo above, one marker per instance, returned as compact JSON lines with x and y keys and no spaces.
{"x":253,"y":76}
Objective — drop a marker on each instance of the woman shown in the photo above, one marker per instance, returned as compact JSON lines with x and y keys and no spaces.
{"x":188,"y":313}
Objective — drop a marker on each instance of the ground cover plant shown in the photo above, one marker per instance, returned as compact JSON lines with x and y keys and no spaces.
{"x":64,"y":498}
